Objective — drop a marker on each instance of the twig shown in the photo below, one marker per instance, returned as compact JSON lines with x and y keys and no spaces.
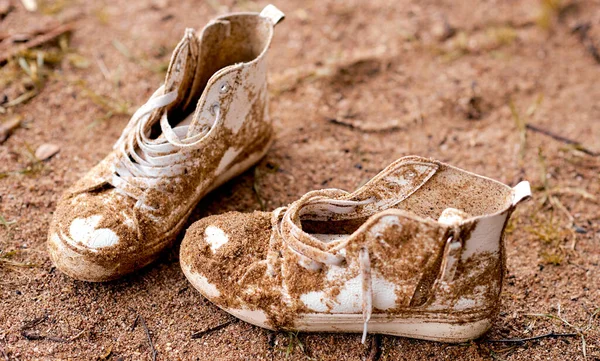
{"x":34,"y":336}
{"x":583,"y":347}
{"x":31,"y":324}
{"x":137,"y":317}
{"x":560,"y":138}
{"x":581,"y":331}
{"x":212,"y":329}
{"x":76,"y":336}
{"x":385,"y":126}
{"x":582,"y":30}
{"x":38,"y":40}
{"x":523,"y":340}
{"x":152,"y":349}
{"x":271,"y":339}
{"x":374,"y":348}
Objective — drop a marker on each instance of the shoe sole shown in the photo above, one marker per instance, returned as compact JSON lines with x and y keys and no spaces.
{"x":77,"y":266}
{"x":431,"y":329}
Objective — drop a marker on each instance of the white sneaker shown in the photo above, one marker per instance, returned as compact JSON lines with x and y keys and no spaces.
{"x":415,"y":252}
{"x":208,"y":123}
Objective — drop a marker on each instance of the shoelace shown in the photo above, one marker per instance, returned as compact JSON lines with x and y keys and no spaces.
{"x":142,"y":161}
{"x":307,"y":245}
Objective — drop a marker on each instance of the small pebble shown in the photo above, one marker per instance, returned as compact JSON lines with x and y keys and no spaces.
{"x":46,"y":150}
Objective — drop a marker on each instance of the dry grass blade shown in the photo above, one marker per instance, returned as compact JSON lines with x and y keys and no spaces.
{"x":122,"y":49}
{"x":10,"y":263}
{"x":6,"y":223}
{"x":533,"y":107}
{"x":8,"y":127}
{"x":534,"y":338}
{"x":33,"y":166}
{"x":574,"y":191}
{"x":548,"y":196}
{"x":38,"y":40}
{"x":21,"y":98}
{"x":256,"y":189}
{"x":6,"y":261}
{"x":106,"y":355}
{"x":293,"y":342}
{"x":521,"y":128}
{"x":580,"y":330}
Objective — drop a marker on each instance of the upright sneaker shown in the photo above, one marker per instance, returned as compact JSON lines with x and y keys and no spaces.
{"x":208,"y":123}
{"x":416,"y":252}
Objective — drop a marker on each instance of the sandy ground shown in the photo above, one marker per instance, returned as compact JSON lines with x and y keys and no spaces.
{"x":353,"y":87}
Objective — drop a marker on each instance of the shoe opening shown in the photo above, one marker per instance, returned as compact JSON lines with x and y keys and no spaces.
{"x":224,"y":42}
{"x":465,"y":194}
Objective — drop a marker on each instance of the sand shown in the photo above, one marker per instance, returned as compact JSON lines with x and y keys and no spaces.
{"x":354,"y":86}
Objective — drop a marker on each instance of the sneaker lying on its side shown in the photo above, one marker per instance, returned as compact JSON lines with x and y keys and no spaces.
{"x":205,"y":125}
{"x":415,"y":252}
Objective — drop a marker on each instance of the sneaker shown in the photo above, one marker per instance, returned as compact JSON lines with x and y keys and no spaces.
{"x":417,"y":252}
{"x":208,"y":123}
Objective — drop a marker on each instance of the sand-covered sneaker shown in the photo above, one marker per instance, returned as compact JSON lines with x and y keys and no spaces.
{"x":416,"y":252}
{"x":208,"y":123}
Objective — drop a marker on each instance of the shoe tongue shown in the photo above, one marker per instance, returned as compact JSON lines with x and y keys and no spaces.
{"x":192,"y":64}
{"x":189,"y":70}
{"x":181,"y":75}
{"x":213,"y":57}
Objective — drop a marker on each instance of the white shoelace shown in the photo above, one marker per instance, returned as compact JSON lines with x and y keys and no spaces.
{"x":303,"y":243}
{"x":142,"y":161}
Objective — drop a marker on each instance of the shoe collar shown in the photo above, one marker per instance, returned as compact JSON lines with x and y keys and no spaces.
{"x":390,"y":187}
{"x":373,"y":201}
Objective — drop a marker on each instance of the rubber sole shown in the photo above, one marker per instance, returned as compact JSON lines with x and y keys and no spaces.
{"x":419,"y":328}
{"x":432,"y":329}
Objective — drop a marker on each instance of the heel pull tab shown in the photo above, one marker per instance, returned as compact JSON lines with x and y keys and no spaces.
{"x":521,"y":192}
{"x":272,"y":13}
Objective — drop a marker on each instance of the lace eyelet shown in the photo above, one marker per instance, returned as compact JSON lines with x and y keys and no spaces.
{"x":214,"y":109}
{"x":224,"y":88}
